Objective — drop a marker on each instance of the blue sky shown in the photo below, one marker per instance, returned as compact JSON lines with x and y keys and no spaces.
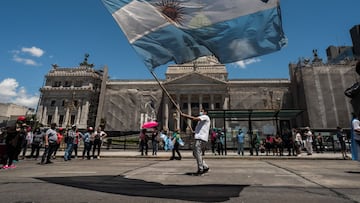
{"x":35,"y":34}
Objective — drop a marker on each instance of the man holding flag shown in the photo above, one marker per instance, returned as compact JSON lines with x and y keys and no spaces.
{"x":201,"y":138}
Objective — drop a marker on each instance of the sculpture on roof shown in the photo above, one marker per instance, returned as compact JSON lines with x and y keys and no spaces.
{"x":54,"y":65}
{"x":85,"y":62}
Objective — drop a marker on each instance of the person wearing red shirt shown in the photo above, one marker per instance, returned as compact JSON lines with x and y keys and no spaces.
{"x":60,"y":136}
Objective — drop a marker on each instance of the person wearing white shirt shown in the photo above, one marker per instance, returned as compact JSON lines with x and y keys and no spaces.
{"x":201,"y":138}
{"x":355,"y":138}
{"x":309,"y":141}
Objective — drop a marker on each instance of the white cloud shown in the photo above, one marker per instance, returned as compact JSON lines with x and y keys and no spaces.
{"x":8,"y":88}
{"x":242,"y":64}
{"x":11,"y":93}
{"x":33,"y":51}
{"x":24,"y":99}
{"x":18,"y":55}
{"x":25,"y":61}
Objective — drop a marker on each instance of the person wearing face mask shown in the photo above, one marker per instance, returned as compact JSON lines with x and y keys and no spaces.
{"x":341,"y":137}
{"x":201,"y":138}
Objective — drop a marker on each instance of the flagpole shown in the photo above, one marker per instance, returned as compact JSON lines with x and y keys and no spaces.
{"x":168,"y":95}
{"x":164,"y":89}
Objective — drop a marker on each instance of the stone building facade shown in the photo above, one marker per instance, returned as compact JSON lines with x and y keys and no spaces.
{"x":10,"y":111}
{"x":319,"y":89}
{"x":84,"y":96}
{"x":72,"y":96}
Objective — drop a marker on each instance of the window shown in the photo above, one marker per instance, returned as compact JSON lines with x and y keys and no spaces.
{"x":61,"y":120}
{"x":57,"y":84}
{"x":67,"y":84}
{"x":53,"y":102}
{"x":194,"y":105}
{"x":205,"y":105}
{"x":78,"y":84}
{"x":49,"y":119}
{"x":76,"y":103}
{"x":72,"y":119}
{"x":217,"y":106}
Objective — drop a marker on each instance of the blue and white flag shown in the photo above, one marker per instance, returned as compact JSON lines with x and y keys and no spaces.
{"x":183,"y":30}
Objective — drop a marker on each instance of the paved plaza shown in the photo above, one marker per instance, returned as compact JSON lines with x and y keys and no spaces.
{"x":124,"y":176}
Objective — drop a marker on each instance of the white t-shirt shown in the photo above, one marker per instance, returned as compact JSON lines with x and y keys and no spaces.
{"x":202,"y":128}
{"x":356,"y":124}
{"x":309,"y":136}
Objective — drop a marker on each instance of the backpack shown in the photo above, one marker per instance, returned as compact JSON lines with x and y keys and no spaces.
{"x":69,"y":138}
{"x":38,"y":138}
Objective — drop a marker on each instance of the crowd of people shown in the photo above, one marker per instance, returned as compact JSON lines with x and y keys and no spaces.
{"x":290,"y":143}
{"x":20,"y":137}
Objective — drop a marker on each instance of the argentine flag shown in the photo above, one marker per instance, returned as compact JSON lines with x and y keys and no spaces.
{"x":161,"y":31}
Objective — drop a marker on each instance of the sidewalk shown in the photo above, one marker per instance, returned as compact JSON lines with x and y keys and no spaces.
{"x":186,"y":154}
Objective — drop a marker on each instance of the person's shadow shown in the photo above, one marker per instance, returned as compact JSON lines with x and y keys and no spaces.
{"x":354,"y":172}
{"x":134,"y":187}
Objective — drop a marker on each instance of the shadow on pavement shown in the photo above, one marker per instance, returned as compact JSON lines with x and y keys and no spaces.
{"x":354,"y":172}
{"x":134,"y":187}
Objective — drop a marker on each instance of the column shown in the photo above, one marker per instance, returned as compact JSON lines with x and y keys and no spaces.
{"x":67,"y":117}
{"x":189,"y":109}
{"x":39,"y":113}
{"x":44,"y":118}
{"x":178,"y":102}
{"x":56,"y":115}
{"x":85,"y":114}
{"x":78,"y":116}
{"x":141,"y":120}
{"x":166,"y":113}
{"x":200,"y":101}
{"x":212,"y":107}
{"x":226,"y":100}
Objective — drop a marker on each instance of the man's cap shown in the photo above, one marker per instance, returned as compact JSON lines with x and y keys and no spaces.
{"x":73,"y":126}
{"x":21,"y":118}
{"x":90,"y":128}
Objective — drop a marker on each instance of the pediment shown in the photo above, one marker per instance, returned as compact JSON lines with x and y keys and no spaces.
{"x":195,"y":78}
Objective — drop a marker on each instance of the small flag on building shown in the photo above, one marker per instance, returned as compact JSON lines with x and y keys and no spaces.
{"x":161,"y":31}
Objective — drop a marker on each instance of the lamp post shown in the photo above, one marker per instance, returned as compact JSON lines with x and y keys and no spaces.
{"x":278,"y":105}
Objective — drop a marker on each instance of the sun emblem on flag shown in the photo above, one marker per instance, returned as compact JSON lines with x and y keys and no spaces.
{"x":172,"y":10}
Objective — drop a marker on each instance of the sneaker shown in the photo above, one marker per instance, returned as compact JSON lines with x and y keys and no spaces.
{"x":199,"y":173}
{"x":206,"y":170}
{"x":98,"y":157}
{"x":12,"y":166}
{"x":49,"y":162}
{"x":5,"y":167}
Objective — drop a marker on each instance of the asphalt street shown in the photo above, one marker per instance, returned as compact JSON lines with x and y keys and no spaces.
{"x":145,"y":179}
